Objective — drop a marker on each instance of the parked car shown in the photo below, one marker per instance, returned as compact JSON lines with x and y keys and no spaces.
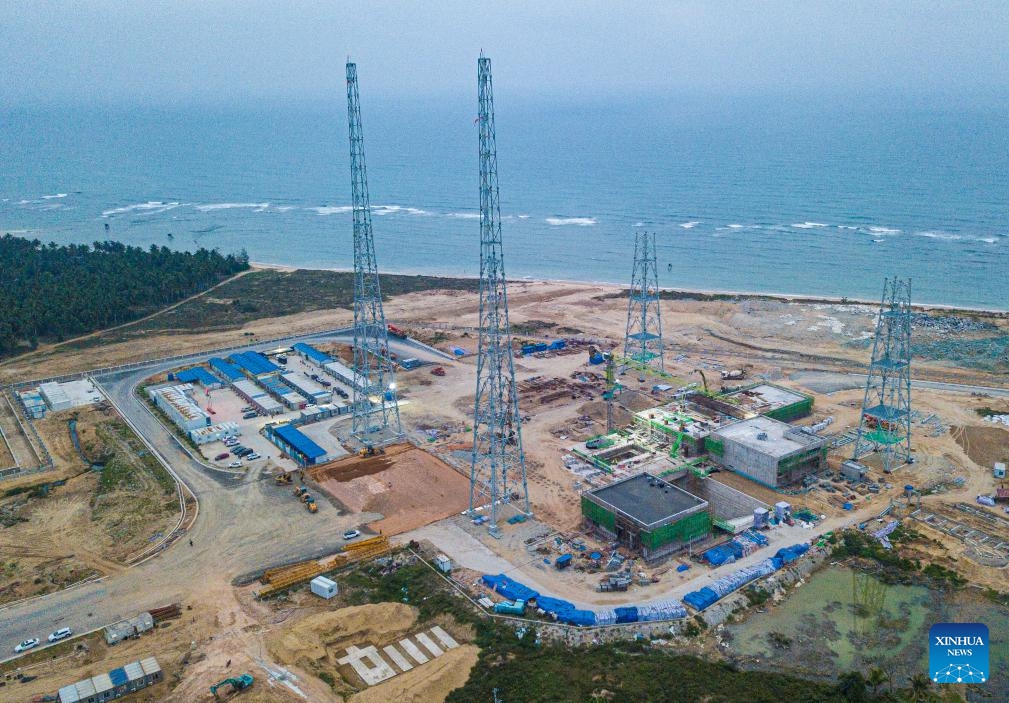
{"x":250,"y":415}
{"x":243,"y":452}
{"x":235,"y":464}
{"x":351,"y":534}
{"x":26,"y":645}
{"x":324,"y":383}
{"x":222,"y":456}
{"x":252,"y":457}
{"x":60,"y":634}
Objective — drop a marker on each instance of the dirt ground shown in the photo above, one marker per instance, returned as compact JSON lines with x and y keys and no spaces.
{"x":315,"y":642}
{"x":984,"y":445}
{"x":410,"y":488}
{"x":84,"y":528}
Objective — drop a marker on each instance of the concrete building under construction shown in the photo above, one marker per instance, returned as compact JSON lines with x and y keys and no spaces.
{"x":647,"y":514}
{"x":768,"y":451}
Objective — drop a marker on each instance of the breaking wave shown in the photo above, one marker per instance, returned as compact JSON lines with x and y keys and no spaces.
{"x":151,"y":207}
{"x":257,"y":207}
{"x":809,"y":225}
{"x":578,"y":221}
{"x":689,"y":225}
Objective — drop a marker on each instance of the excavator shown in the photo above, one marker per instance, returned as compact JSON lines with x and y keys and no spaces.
{"x":704,"y":379}
{"x":370,"y":451}
{"x":237,"y":684}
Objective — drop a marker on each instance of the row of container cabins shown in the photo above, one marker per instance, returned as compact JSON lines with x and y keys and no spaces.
{"x":265,"y":386}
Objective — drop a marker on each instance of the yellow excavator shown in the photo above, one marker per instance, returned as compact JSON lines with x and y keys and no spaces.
{"x":369,"y":450}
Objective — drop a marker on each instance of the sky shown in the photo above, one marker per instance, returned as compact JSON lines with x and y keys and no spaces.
{"x":229,"y":51}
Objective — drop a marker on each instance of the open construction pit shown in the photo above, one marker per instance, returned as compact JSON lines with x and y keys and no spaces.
{"x":407,"y":485}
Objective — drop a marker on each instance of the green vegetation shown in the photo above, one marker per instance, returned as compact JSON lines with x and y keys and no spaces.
{"x":53,"y":292}
{"x":271,"y":293}
{"x":896,"y":568}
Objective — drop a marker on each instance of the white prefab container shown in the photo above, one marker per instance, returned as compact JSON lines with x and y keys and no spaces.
{"x":324,"y":587}
{"x":443,"y":563}
{"x":781,"y":508}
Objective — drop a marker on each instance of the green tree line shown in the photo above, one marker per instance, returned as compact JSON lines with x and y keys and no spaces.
{"x":51,"y":292}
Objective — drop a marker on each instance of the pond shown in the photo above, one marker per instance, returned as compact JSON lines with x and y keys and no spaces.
{"x":843,"y":620}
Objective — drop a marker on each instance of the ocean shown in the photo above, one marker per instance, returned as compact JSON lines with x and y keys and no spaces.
{"x":821,"y":198}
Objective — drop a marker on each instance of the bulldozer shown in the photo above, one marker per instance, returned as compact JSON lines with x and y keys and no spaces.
{"x":239,"y":683}
{"x":312,"y":507}
{"x":369,"y":450}
{"x":282,"y":479}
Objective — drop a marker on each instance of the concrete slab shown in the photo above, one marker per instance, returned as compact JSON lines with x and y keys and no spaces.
{"x":446,"y":639}
{"x":397,"y":658}
{"x":429,"y":644}
{"x":414,"y":652}
{"x":368,"y":664}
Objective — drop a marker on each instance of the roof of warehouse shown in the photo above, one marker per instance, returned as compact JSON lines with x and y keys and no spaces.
{"x":646,"y":498}
{"x":254,"y":362}
{"x":312,"y":353}
{"x":197,"y":374}
{"x":767,"y":436}
{"x":299,"y":441}
{"x":232,"y":372}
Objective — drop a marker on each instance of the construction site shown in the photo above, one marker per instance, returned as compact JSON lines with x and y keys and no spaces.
{"x":641,"y":470}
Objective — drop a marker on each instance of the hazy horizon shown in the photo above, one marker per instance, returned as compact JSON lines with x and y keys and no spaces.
{"x":229,"y":52}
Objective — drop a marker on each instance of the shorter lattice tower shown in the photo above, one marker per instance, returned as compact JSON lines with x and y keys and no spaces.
{"x":375,"y":409}
{"x":886,"y":409}
{"x":643,"y":341}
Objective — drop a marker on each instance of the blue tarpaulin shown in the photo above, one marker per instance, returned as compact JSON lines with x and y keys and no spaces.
{"x":577,"y":617}
{"x":553,"y":605}
{"x":627,"y":614}
{"x":512,"y":590}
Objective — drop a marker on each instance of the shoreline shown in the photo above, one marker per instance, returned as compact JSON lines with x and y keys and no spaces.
{"x":712,"y":293}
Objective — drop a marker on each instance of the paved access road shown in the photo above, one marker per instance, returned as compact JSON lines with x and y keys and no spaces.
{"x":245,"y":524}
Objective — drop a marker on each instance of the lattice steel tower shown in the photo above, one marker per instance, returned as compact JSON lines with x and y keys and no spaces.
{"x":498,"y":469}
{"x":376,"y":412}
{"x":643,"y":341}
{"x":886,"y":410}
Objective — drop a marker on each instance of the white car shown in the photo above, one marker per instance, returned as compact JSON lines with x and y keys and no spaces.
{"x":60,"y":634}
{"x":26,"y":645}
{"x":252,"y":457}
{"x":235,"y":465}
{"x":351,"y":534}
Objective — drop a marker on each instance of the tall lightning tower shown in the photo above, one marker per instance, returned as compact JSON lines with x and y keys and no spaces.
{"x":498,"y":468}
{"x":886,"y":409}
{"x":643,"y":341}
{"x":376,"y":412}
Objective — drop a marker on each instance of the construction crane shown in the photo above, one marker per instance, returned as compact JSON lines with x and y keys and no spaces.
{"x":612,"y":388}
{"x":239,"y":683}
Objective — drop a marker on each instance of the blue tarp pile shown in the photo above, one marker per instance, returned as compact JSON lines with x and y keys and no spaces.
{"x":704,"y":597}
{"x":790,"y":554}
{"x":585,"y":618}
{"x":626,"y":614}
{"x":512,"y":590}
{"x":744,"y":544}
{"x":556,"y":606}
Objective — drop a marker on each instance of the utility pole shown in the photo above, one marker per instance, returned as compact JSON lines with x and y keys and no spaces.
{"x":375,"y":407}
{"x":498,"y":470}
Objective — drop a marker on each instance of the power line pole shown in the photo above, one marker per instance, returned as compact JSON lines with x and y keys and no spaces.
{"x":375,"y":407}
{"x":498,"y":467}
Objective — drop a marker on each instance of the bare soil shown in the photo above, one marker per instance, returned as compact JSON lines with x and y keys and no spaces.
{"x":410,"y":487}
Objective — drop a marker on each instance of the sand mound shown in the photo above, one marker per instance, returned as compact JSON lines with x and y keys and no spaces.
{"x":315,"y":636}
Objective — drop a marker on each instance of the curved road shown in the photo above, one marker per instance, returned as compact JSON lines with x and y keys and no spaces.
{"x":244,"y":525}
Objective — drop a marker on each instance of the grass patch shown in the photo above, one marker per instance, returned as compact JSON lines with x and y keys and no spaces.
{"x":271,"y":293}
